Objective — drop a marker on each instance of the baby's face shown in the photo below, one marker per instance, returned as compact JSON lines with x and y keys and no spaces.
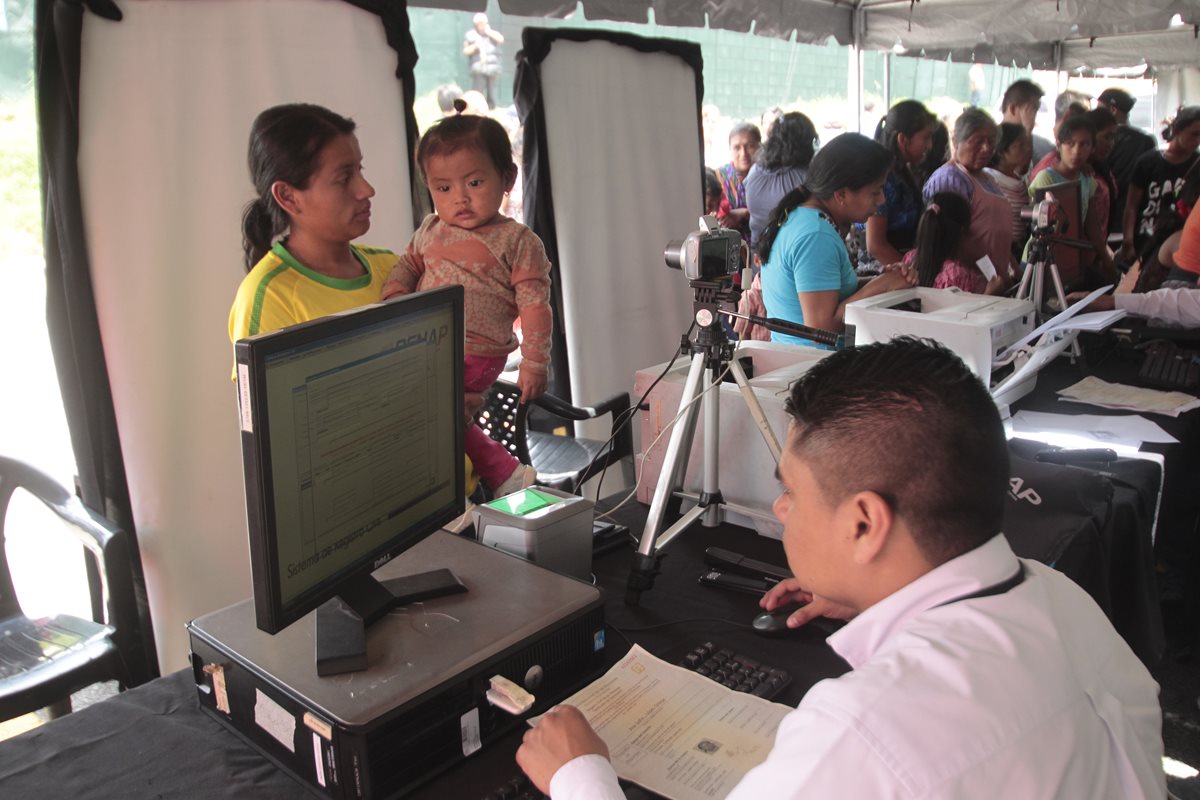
{"x":467,"y":188}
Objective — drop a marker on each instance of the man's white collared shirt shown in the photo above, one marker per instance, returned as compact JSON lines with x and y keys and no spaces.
{"x":1025,"y":694}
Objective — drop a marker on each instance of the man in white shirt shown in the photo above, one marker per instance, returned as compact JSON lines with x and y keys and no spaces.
{"x":975,"y":673}
{"x":1175,"y":307}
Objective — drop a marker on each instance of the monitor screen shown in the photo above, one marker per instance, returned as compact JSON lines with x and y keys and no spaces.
{"x":352,"y":441}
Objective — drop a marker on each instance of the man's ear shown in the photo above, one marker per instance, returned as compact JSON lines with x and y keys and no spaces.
{"x":874,"y":524}
{"x":285,"y":196}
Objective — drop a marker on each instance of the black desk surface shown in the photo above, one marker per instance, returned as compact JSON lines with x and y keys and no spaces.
{"x":1177,"y":519}
{"x":154,"y":741}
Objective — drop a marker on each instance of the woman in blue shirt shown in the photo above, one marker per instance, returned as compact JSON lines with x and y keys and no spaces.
{"x":807,"y":277}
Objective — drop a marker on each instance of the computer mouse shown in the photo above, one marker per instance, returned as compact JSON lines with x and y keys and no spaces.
{"x":774,"y":623}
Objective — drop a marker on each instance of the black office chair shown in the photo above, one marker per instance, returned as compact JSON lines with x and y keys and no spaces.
{"x":561,"y":461}
{"x":44,"y":661}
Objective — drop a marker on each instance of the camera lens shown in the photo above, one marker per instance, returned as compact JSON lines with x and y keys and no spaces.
{"x":673,"y":254}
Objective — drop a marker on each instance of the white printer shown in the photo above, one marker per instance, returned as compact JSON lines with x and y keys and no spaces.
{"x":977,"y":327}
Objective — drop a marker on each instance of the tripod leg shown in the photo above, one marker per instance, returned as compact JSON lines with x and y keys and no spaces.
{"x":667,"y":477}
{"x":1026,"y":279}
{"x":756,"y":410}
{"x":710,"y":494}
{"x":1038,"y":290}
{"x":1076,"y":350}
{"x":646,"y":559}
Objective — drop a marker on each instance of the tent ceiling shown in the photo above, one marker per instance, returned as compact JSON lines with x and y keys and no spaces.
{"x":1163,"y":50}
{"x":814,"y":21}
{"x":1007,"y":31}
{"x":1025,"y":31}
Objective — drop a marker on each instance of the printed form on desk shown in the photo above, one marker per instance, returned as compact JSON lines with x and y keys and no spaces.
{"x":674,"y":732}
{"x":1097,"y":392}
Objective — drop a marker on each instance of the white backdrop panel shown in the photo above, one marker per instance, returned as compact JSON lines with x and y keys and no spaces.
{"x":167,"y":98}
{"x":624,"y":156}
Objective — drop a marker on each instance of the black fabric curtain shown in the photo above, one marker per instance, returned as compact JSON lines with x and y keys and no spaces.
{"x":70,"y":300}
{"x":536,"y":44}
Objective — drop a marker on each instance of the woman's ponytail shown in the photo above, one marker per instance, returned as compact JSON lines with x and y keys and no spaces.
{"x":796,"y":197}
{"x":259,"y":228}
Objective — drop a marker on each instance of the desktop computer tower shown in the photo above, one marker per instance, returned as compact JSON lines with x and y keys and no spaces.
{"x":420,"y":707}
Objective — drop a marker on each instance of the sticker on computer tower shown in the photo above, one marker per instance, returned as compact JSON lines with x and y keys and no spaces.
{"x":275,"y":720}
{"x":220,"y":692}
{"x":318,"y":760}
{"x":469,"y":726}
{"x":318,"y":725}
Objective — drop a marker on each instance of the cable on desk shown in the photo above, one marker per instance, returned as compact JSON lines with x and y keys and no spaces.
{"x":656,"y":626}
{"x":627,"y":417}
{"x":646,"y":451}
{"x":621,"y":633}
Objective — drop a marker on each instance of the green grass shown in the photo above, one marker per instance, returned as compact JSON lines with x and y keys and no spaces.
{"x":20,"y":192}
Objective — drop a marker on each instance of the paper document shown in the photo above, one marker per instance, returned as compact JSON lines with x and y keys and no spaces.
{"x":677,"y":733}
{"x":1100,"y":393}
{"x":1093,"y":320}
{"x":1129,"y":429}
{"x":1057,"y":322}
{"x":986,"y":267}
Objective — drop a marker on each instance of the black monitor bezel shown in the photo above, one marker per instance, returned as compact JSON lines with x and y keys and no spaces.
{"x":272,"y":614}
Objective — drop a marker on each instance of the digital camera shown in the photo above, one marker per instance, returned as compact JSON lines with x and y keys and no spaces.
{"x":709,"y":254}
{"x":1047,"y":217}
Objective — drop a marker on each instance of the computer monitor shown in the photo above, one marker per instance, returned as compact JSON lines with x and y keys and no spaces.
{"x":352,"y":443}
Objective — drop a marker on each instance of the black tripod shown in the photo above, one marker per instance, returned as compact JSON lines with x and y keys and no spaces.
{"x":712,"y":355}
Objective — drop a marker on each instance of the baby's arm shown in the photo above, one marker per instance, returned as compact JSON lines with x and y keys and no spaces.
{"x":531,"y":283}
{"x":406,"y":275}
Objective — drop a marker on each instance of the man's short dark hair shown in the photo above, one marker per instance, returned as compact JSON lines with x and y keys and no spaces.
{"x":908,"y":420}
{"x":1020,"y":93}
{"x":1120,"y":98}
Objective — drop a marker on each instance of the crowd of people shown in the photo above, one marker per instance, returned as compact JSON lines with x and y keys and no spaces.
{"x":948,"y":207}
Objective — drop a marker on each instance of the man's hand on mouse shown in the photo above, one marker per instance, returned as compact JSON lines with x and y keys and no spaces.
{"x":790,"y":591}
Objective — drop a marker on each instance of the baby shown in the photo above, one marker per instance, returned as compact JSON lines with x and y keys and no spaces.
{"x":501,"y":265}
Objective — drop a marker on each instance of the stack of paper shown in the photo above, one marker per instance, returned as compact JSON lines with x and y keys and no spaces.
{"x":1092,"y":321}
{"x":1100,"y":393}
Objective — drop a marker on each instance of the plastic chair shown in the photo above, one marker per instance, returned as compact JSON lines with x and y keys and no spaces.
{"x":561,"y":461}
{"x":44,"y":661}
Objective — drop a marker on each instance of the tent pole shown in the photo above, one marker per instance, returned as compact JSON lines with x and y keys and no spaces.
{"x":856,"y":70}
{"x":1060,"y":85}
{"x":887,"y":81}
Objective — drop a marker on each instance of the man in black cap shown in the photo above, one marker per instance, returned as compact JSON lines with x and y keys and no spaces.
{"x":1128,"y":147}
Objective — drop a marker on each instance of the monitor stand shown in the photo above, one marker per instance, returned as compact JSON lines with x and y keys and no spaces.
{"x":342,"y":622}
